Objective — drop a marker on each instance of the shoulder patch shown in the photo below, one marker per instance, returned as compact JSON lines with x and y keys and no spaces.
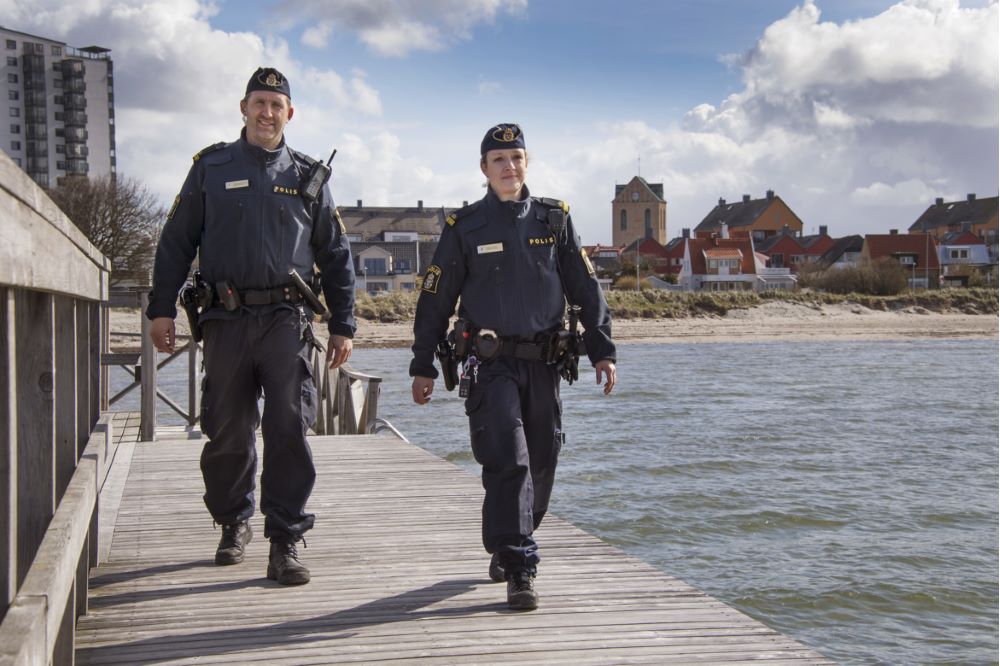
{"x":553,"y":203}
{"x":208,"y":149}
{"x":586,"y":261}
{"x":459,"y":213}
{"x":431,"y":279}
{"x":340,"y":221}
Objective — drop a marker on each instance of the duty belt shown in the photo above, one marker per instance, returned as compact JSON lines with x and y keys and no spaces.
{"x":526,"y":351}
{"x":288,"y":293}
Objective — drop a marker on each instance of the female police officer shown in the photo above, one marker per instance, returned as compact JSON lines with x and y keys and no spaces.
{"x":514,"y":260}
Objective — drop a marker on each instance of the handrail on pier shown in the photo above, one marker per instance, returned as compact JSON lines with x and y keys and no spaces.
{"x":52,"y":283}
{"x":348,"y":401}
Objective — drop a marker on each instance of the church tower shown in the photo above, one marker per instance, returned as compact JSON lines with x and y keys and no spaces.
{"x":639,"y":211}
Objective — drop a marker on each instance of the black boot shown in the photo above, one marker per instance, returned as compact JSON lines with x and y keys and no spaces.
{"x":283,"y":564}
{"x":232,"y":545}
{"x":521,"y":593}
{"x":496,"y":569}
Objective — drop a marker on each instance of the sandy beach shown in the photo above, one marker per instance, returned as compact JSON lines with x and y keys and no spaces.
{"x":774,"y":321}
{"x":769,"y":322}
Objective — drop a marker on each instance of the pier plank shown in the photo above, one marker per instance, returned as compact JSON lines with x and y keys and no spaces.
{"x":398,"y":575}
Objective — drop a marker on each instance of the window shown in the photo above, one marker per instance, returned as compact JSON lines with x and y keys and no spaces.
{"x":758,"y":235}
{"x":61,"y":148}
{"x":623,"y":224}
{"x":960,"y":254}
{"x":57,"y":67}
{"x":908,"y":260}
{"x":60,"y":131}
{"x":15,"y":128}
{"x":15,"y":145}
{"x":797,"y":259}
{"x":60,"y":116}
{"x":403,"y":266}
{"x":57,"y":83}
{"x":649,"y":224}
{"x":15,"y":112}
{"x":12,"y":78}
{"x":12,"y":61}
{"x":56,"y":50}
{"x":13,"y":95}
{"x":778,"y":260}
{"x":60,"y":100}
{"x":375,"y":267}
{"x":11,"y":44}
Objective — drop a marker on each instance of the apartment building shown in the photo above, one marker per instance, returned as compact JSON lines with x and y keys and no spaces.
{"x":61,"y":108}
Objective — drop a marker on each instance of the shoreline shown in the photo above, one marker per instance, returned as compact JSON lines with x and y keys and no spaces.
{"x":770,"y":322}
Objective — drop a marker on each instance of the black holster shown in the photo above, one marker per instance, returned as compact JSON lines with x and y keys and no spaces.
{"x":449,"y":364}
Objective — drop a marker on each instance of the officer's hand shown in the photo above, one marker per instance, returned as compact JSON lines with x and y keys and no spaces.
{"x":422,"y":389}
{"x":607,"y":367}
{"x":338,"y":350}
{"x":163,"y":334}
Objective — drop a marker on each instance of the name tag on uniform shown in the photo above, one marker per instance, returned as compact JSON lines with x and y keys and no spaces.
{"x":237,"y":184}
{"x":492,"y":247}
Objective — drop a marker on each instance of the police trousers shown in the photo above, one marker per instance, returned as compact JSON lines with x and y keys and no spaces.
{"x":515,"y":422}
{"x":258,"y":353}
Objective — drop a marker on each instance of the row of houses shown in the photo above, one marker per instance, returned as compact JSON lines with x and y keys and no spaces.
{"x":758,"y":244}
{"x":750,"y":244}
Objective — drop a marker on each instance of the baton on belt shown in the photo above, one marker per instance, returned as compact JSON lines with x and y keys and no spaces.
{"x":309,"y":295}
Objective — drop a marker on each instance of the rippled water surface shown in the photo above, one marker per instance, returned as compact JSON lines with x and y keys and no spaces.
{"x":845,"y":494}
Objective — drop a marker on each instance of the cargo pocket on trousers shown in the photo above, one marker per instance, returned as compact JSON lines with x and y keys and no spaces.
{"x":478,"y":433}
{"x":307,"y":398}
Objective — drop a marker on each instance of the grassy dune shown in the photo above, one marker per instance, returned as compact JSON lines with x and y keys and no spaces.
{"x":657,"y":304}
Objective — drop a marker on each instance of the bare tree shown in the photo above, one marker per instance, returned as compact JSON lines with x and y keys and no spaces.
{"x":119,"y":216}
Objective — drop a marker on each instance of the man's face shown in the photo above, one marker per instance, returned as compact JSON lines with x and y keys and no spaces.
{"x":505,"y":170}
{"x":266,"y":114}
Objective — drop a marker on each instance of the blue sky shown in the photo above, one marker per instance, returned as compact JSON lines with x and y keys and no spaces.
{"x":857,"y":113}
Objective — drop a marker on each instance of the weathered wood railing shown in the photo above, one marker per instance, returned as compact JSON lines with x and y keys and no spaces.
{"x":348,"y":400}
{"x":52,"y":283}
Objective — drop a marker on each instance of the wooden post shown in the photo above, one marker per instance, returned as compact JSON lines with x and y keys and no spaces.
{"x":64,"y":341}
{"x":147,"y":421}
{"x":34,"y":386}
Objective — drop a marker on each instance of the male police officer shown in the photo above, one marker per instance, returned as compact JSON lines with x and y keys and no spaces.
{"x":514,"y":260}
{"x":244,"y":209}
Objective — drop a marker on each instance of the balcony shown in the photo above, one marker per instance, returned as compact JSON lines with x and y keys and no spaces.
{"x":35,"y":114}
{"x":76,"y":150}
{"x":76,"y":134}
{"x":75,"y":119}
{"x":38,"y":149}
{"x":36,"y":131}
{"x":77,"y":167}
{"x":33,"y":64}
{"x":74,"y":102}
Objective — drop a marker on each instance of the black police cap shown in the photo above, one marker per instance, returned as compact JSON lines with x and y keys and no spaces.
{"x":502,"y":137}
{"x":270,"y":80}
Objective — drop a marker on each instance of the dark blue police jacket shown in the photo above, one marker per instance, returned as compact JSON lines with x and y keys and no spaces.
{"x":513,"y":275}
{"x":242,"y":210}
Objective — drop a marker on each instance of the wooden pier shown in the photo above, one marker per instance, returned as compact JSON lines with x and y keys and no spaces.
{"x":398,"y":576}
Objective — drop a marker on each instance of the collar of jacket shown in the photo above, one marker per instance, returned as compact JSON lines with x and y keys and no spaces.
{"x":515,"y":209}
{"x":260,"y":154}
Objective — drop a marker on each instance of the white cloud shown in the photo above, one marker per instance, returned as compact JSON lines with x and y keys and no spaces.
{"x":913,"y":191}
{"x":396,"y":28}
{"x":317,"y":35}
{"x":857,"y":126}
